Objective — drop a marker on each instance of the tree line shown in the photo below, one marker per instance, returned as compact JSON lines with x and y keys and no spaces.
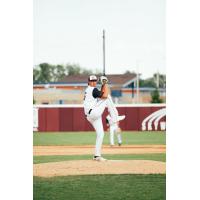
{"x":45,"y":73}
{"x":151,"y":82}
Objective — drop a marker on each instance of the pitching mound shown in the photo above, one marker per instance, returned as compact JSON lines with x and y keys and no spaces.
{"x":83,"y":167}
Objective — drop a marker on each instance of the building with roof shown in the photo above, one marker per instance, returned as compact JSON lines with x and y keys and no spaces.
{"x":70,"y":90}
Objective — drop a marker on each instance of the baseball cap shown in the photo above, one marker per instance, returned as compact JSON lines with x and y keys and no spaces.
{"x":92,"y":78}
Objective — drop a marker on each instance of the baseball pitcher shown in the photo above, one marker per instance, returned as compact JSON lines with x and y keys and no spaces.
{"x":95,"y":102}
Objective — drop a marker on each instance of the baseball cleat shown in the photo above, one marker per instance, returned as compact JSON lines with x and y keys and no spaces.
{"x":99,"y":158}
{"x":121,"y":117}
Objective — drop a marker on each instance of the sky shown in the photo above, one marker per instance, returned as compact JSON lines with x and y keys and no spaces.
{"x":70,"y":31}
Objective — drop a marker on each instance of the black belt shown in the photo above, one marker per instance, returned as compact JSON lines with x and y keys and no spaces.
{"x":89,"y":112}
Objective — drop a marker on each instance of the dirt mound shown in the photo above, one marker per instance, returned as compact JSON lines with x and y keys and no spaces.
{"x":82,"y":167}
{"x":89,"y":149}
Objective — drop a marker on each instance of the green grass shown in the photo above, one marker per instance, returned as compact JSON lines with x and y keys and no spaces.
{"x":88,"y":138}
{"x":46,"y":159}
{"x":101,"y":187}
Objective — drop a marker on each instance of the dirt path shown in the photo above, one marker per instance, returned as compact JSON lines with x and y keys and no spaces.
{"x":89,"y":149}
{"x":82,"y":167}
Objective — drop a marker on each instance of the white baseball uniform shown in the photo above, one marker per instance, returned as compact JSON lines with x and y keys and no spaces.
{"x":94,"y":107}
{"x":114,"y":129}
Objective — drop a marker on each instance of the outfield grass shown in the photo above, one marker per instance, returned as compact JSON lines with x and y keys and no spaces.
{"x":88,"y":138}
{"x":46,"y":159}
{"x":101,"y":187}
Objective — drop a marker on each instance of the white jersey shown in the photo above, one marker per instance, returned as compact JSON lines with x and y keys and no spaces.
{"x":89,"y":100}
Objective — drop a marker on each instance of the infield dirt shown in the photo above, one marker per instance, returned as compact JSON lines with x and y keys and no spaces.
{"x":89,"y":149}
{"x":82,"y":167}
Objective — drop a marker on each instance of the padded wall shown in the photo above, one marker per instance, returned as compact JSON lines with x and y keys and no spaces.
{"x":73,"y":118}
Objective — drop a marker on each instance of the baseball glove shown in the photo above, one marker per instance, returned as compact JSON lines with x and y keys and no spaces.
{"x":103,"y":80}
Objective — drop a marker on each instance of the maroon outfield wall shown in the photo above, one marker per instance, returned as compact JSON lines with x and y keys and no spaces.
{"x":72,"y":117}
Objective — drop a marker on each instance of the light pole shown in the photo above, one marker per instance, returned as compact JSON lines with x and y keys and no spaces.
{"x":138,"y":80}
{"x":104,"y":59}
{"x":157,"y":79}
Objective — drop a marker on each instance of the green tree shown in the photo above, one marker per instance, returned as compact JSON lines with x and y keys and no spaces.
{"x":162,"y":80}
{"x":59,"y":71}
{"x":151,"y":82}
{"x":36,"y":73}
{"x":155,"y":97}
{"x":46,"y":73}
{"x":147,"y":83}
{"x":34,"y":101}
{"x":73,"y":69}
{"x":86,"y":71}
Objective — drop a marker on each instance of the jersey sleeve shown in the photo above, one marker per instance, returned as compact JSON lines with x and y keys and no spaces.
{"x":96,"y":93}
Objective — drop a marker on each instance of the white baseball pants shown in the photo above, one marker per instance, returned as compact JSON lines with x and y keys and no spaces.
{"x":98,"y":126}
{"x":99,"y":108}
{"x":95,"y":118}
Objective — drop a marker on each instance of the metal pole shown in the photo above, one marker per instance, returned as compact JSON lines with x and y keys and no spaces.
{"x":138,"y":84}
{"x":104,"y":62}
{"x":138,"y":87}
{"x":157,"y":79}
{"x":132,"y":85}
